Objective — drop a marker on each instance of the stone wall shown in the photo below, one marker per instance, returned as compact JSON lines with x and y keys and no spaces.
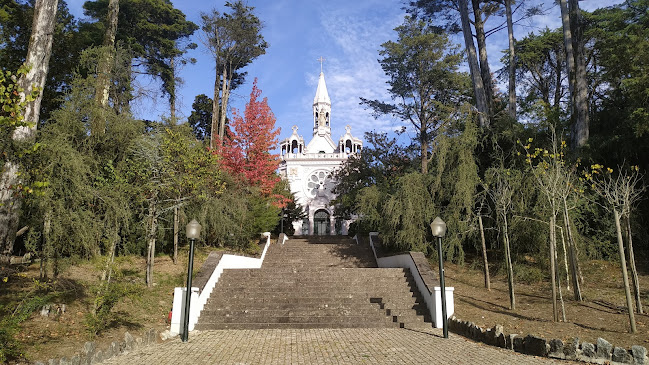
{"x":90,"y":354}
{"x":601,"y":352}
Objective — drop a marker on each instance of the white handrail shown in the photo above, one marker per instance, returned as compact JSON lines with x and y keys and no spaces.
{"x":432,"y":298}
{"x":198,"y":301}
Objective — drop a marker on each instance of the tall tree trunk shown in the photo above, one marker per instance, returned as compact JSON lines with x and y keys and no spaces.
{"x":176,"y":229}
{"x":508,"y":263}
{"x":214,"y":130}
{"x":570,"y":58}
{"x":580,"y":128}
{"x":563,"y":307}
{"x":104,"y":70}
{"x":172,"y":92}
{"x":45,"y":244}
{"x":108,"y":268}
{"x":553,"y":278}
{"x":565,"y":259}
{"x":512,"y":62}
{"x":558,"y":70}
{"x":423,"y":141}
{"x":485,"y":70}
{"x":625,"y":275}
{"x":38,"y":59}
{"x":634,"y":271}
{"x":478,"y":86}
{"x":485,"y":263}
{"x":151,"y":238}
{"x":574,"y":259}
{"x":224,"y":103}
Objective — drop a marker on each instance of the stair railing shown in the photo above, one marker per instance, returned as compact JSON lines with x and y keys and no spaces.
{"x":199,"y":300}
{"x":427,"y":285}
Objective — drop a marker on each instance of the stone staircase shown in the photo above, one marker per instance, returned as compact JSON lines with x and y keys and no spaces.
{"x":315,"y":282}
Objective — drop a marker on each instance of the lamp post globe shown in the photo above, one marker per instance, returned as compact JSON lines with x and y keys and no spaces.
{"x":193,"y":231}
{"x":438,"y":227}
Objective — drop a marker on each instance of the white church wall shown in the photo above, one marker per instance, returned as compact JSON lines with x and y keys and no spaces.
{"x":309,"y":171}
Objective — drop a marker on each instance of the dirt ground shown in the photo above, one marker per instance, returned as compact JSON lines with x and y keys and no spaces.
{"x":63,"y":334}
{"x":601,"y":314}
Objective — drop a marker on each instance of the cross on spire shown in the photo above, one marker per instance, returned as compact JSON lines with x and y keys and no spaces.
{"x":321,"y":59}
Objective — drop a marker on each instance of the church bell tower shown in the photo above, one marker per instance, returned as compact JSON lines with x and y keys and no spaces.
{"x":321,"y":109}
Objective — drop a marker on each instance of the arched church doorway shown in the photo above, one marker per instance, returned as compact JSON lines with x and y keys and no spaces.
{"x":321,"y":225}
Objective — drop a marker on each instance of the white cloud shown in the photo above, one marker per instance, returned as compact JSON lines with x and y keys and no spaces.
{"x":355,"y":37}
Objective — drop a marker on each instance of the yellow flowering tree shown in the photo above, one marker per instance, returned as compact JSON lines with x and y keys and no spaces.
{"x":557,"y":181}
{"x":621,"y":191}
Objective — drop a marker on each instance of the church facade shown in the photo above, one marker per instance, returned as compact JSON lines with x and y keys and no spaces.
{"x":309,"y":168}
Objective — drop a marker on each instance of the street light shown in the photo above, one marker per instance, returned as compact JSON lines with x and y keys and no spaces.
{"x":438,"y":227}
{"x":193,"y":231}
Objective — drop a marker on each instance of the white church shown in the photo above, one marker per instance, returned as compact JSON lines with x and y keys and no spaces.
{"x":309,"y":168}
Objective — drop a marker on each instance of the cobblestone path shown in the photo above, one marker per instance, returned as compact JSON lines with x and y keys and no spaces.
{"x":324,"y":346}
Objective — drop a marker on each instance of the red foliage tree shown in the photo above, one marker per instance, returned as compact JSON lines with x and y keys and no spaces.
{"x":246,"y":151}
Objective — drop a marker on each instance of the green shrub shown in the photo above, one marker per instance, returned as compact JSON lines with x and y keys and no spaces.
{"x":528,"y":274}
{"x":12,"y":317}
{"x":107,"y":298}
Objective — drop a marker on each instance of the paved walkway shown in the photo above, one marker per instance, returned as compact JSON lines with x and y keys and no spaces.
{"x":324,"y":346}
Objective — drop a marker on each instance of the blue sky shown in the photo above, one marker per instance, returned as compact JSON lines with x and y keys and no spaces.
{"x":347,"y":33}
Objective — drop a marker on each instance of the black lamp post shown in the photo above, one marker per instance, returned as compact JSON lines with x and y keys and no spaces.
{"x":438,"y":227}
{"x":193,"y":231}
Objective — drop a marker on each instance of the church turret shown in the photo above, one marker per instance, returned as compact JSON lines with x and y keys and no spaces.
{"x":321,"y":109}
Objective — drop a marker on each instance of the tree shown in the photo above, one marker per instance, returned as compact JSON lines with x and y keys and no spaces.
{"x":424,"y":80}
{"x":383,"y":160}
{"x":201,"y":117}
{"x":171,"y":80}
{"x":149,"y":29}
{"x":194,"y":173}
{"x":235,"y":40}
{"x":620,"y":191}
{"x":480,"y":93}
{"x":67,"y":43}
{"x":540,"y":63}
{"x":104,"y":68}
{"x":83,"y":207}
{"x":501,"y":185}
{"x":37,"y":61}
{"x":150,"y":173}
{"x":556,"y":182}
{"x":512,"y":65}
{"x":620,"y":117}
{"x":246,"y":153}
{"x":576,"y":65}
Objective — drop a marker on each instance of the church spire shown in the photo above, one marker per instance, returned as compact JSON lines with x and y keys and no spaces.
{"x":321,"y":94}
{"x":321,"y":107}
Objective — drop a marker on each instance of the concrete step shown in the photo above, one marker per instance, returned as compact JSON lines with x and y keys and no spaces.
{"x":331,"y":320}
{"x":317,"y":272}
{"x":241,"y":326}
{"x":307,"y":298}
{"x":304,"y":283}
{"x":304,"y":303}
